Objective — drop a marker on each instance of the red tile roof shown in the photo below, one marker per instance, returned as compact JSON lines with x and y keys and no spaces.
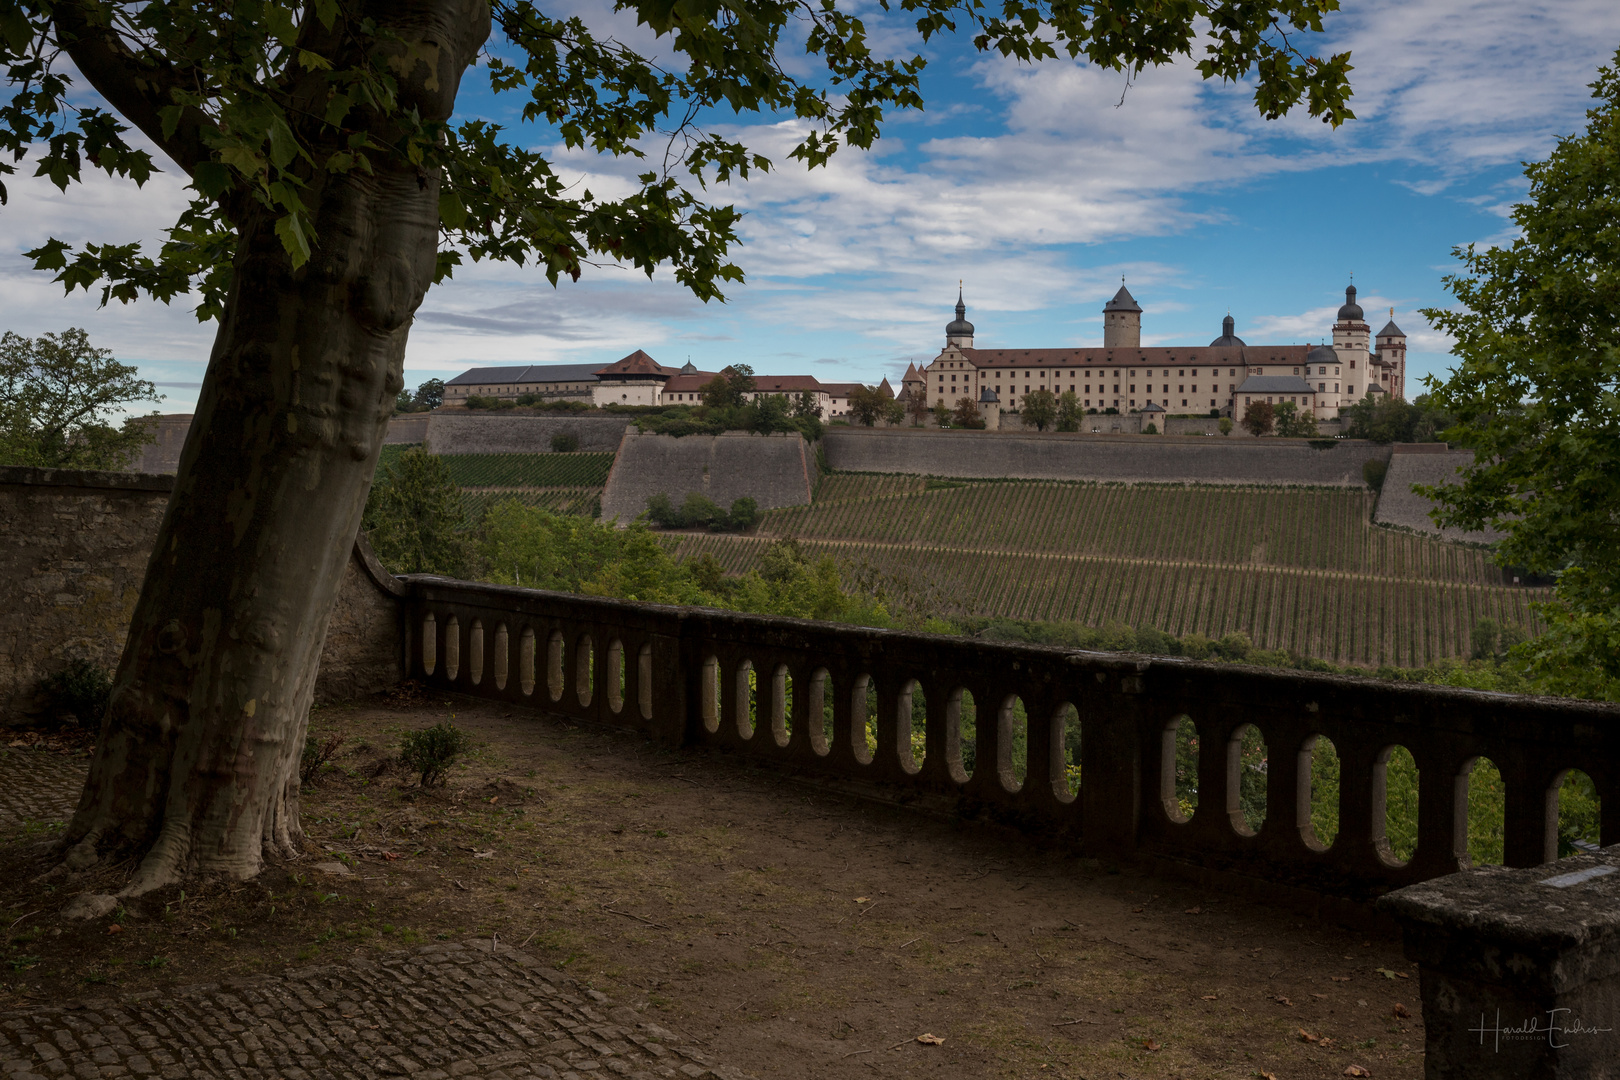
{"x":1187,"y":354}
{"x":637,"y":363}
{"x":689,"y":384}
{"x":786,"y":384}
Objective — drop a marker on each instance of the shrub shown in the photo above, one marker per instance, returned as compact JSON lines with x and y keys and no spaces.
{"x":82,"y":689}
{"x":1373,"y":472}
{"x":662,"y":512}
{"x":564,"y":442}
{"x":1234,"y":646}
{"x":744,"y":512}
{"x":432,"y":751}
{"x":1151,"y":429}
{"x":699,"y":509}
{"x":1225,"y":425}
{"x":316,"y":754}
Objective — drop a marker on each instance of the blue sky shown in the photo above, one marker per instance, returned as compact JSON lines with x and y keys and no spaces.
{"x":1035,"y":186}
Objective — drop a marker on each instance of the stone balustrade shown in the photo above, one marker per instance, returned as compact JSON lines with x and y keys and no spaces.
{"x":814,"y":698}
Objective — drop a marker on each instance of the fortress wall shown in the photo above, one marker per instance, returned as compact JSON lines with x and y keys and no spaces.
{"x":458,"y":432}
{"x":73,"y":551}
{"x":1423,"y":463}
{"x":1161,"y":459}
{"x":1210,"y":425}
{"x":775,"y":470}
{"x":407,"y":428}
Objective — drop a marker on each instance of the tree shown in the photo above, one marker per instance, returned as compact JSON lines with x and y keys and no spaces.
{"x":1537,"y":331}
{"x":1258,"y":418}
{"x":894,"y":411}
{"x":917,"y":407}
{"x":942,"y":415}
{"x":730,"y":388}
{"x":329,"y":188}
{"x":1224,"y":425}
{"x":414,"y":517}
{"x":1384,"y":419}
{"x":805,"y":406}
{"x":429,"y":396}
{"x":1039,"y":410}
{"x":1294,"y":424}
{"x":58,"y":395}
{"x":1068,"y":412}
{"x":966,"y":414}
{"x":867,"y":405}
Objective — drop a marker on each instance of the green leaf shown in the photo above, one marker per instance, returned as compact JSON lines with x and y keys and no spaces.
{"x":452,"y":212}
{"x":283,"y":144}
{"x":290,"y":230}
{"x":15,"y":28}
{"x":211,"y":178}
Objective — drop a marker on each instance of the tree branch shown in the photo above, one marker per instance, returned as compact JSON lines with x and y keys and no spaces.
{"x":133,"y":85}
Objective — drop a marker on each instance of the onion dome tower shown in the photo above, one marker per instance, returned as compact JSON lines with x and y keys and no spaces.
{"x":1122,"y":321}
{"x":959,"y":331}
{"x":1228,"y":339}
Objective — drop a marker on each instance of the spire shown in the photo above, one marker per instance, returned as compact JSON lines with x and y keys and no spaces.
{"x":959,"y":331}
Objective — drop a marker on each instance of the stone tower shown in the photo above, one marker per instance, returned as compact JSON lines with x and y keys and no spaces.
{"x":1391,"y":345}
{"x":1122,"y":322}
{"x":959,"y":332}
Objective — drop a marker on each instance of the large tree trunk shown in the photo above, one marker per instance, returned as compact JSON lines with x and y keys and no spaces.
{"x":196,"y":769}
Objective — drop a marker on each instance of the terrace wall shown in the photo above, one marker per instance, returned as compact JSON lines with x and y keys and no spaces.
{"x":1057,"y":456}
{"x":1423,"y":463}
{"x":775,"y":470}
{"x":460,"y":432}
{"x":73,"y":552}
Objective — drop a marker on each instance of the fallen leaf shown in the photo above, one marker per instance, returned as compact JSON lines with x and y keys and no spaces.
{"x":1356,"y":1070}
{"x":490,"y":854}
{"x":1194,"y":911}
{"x":862,"y":899}
{"x":1388,"y":974}
{"x":1318,"y":995}
{"x":494,"y":800}
{"x":1279,"y":999}
{"x":1136,"y":911}
{"x":390,"y":855}
{"x":1308,"y":1037}
{"x":1261,"y":1074}
{"x":1399,"y":1010}
{"x":1149,"y":1044}
{"x":931,"y":1040}
{"x":115,"y":929}
{"x":1208,"y":997}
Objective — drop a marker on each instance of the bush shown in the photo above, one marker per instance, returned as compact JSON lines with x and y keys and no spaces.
{"x":316,"y":754}
{"x":700,"y":510}
{"x":1373,"y":472}
{"x":432,"y":751}
{"x":82,"y":689}
{"x":744,"y":512}
{"x":1151,"y":429}
{"x":564,"y":442}
{"x":1225,"y":425}
{"x":662,"y":512}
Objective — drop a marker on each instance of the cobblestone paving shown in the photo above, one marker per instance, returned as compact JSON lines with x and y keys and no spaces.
{"x":38,"y":785}
{"x":437,"y":1012}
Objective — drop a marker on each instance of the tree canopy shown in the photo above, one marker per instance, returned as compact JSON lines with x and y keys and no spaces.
{"x":58,"y":400}
{"x":1536,"y":396}
{"x":260,"y":103}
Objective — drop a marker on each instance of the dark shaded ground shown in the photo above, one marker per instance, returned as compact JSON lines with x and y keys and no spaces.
{"x":788,"y":931}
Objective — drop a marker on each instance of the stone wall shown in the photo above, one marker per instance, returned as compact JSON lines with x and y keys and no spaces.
{"x":775,"y":470}
{"x":162,"y":454}
{"x":1140,"y":459}
{"x":73,"y":552}
{"x":407,"y":428}
{"x":1423,"y":463}
{"x":456,"y":431}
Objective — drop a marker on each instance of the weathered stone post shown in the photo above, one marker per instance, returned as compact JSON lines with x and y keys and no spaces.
{"x":1520,"y":969}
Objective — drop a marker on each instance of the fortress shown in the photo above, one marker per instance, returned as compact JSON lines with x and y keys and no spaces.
{"x":1224,"y":377}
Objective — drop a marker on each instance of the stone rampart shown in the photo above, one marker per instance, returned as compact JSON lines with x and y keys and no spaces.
{"x":162,"y":454}
{"x":775,"y":470}
{"x":456,"y":431}
{"x":407,"y":428}
{"x":1423,"y":463}
{"x":1200,"y":459}
{"x":73,"y":552}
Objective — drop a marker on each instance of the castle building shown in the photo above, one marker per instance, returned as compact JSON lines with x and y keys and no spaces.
{"x":1225,"y":376}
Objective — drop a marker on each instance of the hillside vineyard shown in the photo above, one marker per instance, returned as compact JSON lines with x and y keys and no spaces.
{"x":1294,"y":568}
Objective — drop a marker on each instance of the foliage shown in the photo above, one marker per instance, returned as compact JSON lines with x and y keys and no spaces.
{"x":729,"y":389}
{"x":868,"y":405}
{"x":1373,"y":472}
{"x":81,"y":688}
{"x":564,"y":442}
{"x":1225,"y":425}
{"x":894,"y":411}
{"x":229,"y":101}
{"x":765,"y":414}
{"x":477,"y":401}
{"x":917,"y":407}
{"x":1039,"y":410}
{"x":966,"y":414}
{"x":428,"y":396}
{"x":317,"y":752}
{"x":699,"y":511}
{"x":1258,"y":418}
{"x":1292,"y":423}
{"x":414,"y":518}
{"x":1382,"y":418}
{"x":1151,"y":429}
{"x":1069,"y":412}
{"x":805,"y":406}
{"x":58,"y":395}
{"x":1536,"y":397}
{"x":432,"y":752}
{"x":942,"y":415}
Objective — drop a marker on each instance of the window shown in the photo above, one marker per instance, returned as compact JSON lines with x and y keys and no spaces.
{"x":1296,"y":371}
{"x":1352,"y":365}
{"x":1321,"y":386}
{"x":1195,"y":385}
{"x":1133,"y":390}
{"x":1182,"y":373}
{"x":1180,"y":389}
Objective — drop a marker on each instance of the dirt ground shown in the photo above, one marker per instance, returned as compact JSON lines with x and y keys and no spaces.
{"x":789,"y":931}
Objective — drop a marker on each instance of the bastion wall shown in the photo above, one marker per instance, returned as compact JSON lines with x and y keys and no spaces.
{"x":1200,"y":459}
{"x":73,"y":552}
{"x":1423,"y":463}
{"x":458,"y":432}
{"x":775,"y":470}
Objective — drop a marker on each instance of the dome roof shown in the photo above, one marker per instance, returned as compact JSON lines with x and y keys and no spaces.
{"x":689,"y":368}
{"x":1351,"y":312}
{"x":988,"y":396}
{"x":1122,"y":301}
{"x":1227,"y":340}
{"x":959,"y":327}
{"x":1322,"y":354}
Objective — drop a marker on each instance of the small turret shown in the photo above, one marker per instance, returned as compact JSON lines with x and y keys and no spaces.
{"x":1122,"y":321}
{"x":1228,"y":338}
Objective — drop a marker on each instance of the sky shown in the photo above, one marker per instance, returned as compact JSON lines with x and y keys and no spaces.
{"x":1039,"y":188}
